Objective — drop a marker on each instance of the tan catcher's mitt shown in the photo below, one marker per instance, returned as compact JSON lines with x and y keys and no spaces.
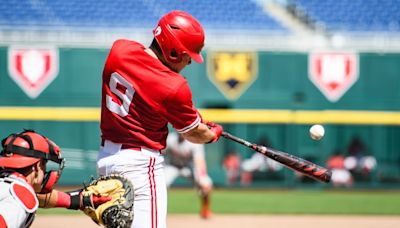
{"x":116,"y":213}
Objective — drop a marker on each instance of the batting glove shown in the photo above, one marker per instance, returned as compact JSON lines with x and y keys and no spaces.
{"x":216,"y":128}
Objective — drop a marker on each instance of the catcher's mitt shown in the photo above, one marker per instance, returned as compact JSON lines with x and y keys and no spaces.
{"x":116,"y":213}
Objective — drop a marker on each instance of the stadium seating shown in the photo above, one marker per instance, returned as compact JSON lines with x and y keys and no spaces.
{"x":82,"y":14}
{"x":354,"y":15}
{"x":334,"y":15}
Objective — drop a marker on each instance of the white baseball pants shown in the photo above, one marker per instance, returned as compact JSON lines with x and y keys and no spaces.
{"x":145,"y":169}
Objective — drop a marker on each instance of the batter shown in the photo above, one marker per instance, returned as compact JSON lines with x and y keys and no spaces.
{"x":142,"y":91}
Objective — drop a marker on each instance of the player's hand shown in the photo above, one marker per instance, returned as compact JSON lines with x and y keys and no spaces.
{"x":79,"y":201}
{"x":99,"y":200}
{"x":216,"y":128}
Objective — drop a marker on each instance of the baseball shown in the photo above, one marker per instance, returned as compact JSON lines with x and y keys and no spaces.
{"x":317,"y":132}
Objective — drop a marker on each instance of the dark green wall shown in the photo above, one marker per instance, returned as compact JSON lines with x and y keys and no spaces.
{"x":284,"y":76}
{"x":282,"y":83}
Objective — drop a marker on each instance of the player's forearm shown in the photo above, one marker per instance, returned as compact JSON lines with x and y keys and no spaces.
{"x":201,"y":134}
{"x":59,"y":199}
{"x":53,"y":199}
{"x":71,"y":200}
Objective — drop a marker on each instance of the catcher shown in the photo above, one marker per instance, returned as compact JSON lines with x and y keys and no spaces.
{"x":25,"y":185}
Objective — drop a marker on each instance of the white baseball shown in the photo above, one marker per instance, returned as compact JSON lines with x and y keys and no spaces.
{"x":317,"y":132}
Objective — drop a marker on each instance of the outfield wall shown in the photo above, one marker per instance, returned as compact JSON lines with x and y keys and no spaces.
{"x":271,"y":96}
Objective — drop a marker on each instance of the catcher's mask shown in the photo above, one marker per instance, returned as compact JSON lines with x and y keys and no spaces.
{"x":177,"y":33}
{"x":24,"y":149}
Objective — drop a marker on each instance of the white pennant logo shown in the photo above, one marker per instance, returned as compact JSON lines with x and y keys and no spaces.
{"x":33,"y":68}
{"x":333,"y":72}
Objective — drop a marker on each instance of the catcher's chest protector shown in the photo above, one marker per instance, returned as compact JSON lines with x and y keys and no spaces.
{"x":18,"y":202}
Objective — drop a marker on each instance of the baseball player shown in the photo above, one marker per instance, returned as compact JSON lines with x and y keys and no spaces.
{"x":257,"y":162}
{"x":24,"y":183}
{"x":143,"y":91}
{"x":188,"y":160}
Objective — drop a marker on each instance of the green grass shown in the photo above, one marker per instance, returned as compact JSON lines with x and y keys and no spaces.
{"x":290,"y":202}
{"x":281,"y":202}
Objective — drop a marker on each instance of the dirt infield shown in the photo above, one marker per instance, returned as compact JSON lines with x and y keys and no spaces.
{"x":239,"y":221}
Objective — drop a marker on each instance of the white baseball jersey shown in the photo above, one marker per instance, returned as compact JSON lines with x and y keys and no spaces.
{"x":259,"y":162}
{"x":18,"y":201}
{"x":185,"y":159}
{"x":184,"y":152}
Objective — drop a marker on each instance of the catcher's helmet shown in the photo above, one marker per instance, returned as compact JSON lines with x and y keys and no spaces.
{"x":177,"y":33}
{"x":28,"y":147}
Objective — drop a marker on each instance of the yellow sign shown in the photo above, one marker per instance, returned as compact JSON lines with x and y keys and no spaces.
{"x":232,"y":72}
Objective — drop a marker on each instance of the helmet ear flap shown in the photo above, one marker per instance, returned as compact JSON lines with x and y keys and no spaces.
{"x":174,"y":56}
{"x":50,"y":179}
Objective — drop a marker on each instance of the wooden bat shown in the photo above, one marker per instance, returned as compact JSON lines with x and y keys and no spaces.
{"x":298,"y":164}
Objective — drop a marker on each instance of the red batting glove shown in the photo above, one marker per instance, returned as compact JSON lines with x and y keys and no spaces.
{"x":216,"y":128}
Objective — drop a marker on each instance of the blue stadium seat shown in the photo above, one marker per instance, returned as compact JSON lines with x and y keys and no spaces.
{"x":354,"y":15}
{"x":222,"y":14}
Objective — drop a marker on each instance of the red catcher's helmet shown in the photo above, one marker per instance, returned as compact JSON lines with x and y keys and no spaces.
{"x":177,"y":33}
{"x":26,"y":148}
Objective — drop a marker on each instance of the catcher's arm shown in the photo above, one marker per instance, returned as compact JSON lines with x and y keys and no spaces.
{"x":107,"y":200}
{"x":71,"y":200}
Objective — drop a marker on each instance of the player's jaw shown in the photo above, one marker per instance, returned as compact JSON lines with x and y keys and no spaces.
{"x":179,"y":66}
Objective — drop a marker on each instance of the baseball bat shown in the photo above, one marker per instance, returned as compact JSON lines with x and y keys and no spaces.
{"x":298,"y":164}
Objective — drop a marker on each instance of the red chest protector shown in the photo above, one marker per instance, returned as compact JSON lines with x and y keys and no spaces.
{"x":25,"y":197}
{"x":22,"y":191}
{"x":22,"y":194}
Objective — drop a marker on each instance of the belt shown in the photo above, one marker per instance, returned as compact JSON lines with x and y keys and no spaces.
{"x":125,"y":146}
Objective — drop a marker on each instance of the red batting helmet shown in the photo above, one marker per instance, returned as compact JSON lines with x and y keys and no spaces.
{"x":28,"y":147}
{"x":177,"y":33}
